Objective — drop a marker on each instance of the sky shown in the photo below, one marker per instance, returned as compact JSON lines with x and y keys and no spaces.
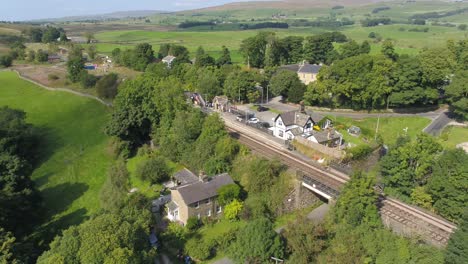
{"x":17,"y":10}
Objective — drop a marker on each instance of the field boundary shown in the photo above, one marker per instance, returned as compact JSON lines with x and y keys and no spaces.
{"x":62,"y":89}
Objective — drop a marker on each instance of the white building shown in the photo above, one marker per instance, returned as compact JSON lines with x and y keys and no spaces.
{"x":291,"y":124}
{"x":168,"y":60}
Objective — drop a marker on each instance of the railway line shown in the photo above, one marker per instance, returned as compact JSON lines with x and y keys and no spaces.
{"x":433,"y":229}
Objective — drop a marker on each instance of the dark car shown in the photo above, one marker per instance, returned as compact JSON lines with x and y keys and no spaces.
{"x":261,"y":108}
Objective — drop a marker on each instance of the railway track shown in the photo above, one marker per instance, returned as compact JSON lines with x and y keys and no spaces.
{"x":433,"y":229}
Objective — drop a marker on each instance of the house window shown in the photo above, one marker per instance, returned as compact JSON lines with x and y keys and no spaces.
{"x":218,"y":209}
{"x":208,"y":201}
{"x":280,"y":133}
{"x":280,"y":123}
{"x":197,"y":204}
{"x":308,"y":126}
{"x":209,"y":213}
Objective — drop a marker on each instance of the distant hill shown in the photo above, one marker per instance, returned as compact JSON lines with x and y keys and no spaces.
{"x":108,"y":16}
{"x":288,"y":4}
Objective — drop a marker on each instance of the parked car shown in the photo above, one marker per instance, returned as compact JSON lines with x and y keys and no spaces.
{"x":261,"y":108}
{"x":263,"y":125}
{"x":253,"y":120}
{"x":240,"y":118}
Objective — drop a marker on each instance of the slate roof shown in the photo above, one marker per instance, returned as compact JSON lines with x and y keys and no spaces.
{"x":309,"y":68}
{"x":296,"y":131}
{"x":200,"y":191}
{"x":322,"y":136}
{"x":316,"y":117}
{"x":294,"y":118}
{"x":184,"y":177}
{"x":302,"y":68}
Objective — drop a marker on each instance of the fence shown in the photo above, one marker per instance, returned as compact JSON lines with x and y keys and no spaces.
{"x":332,"y":152}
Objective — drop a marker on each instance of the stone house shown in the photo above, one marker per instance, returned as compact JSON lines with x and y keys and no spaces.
{"x":221,"y":103}
{"x":306,"y":72}
{"x":197,"y":198}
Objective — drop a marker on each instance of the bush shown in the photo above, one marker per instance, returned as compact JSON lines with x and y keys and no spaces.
{"x":154,"y":170}
{"x":87,"y":80}
{"x":106,"y":87}
{"x":228,"y":193}
{"x":6,"y":61}
{"x":118,"y":148}
{"x":200,"y":249}
{"x":52,"y":77}
{"x":193,"y":223}
{"x":41,"y":56}
{"x":359,"y":152}
{"x":232,"y":210}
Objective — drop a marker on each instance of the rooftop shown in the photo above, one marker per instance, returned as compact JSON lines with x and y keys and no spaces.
{"x":294,"y":118}
{"x":202,"y":190}
{"x":184,"y":177}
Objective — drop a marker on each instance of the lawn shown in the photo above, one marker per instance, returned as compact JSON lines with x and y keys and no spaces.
{"x":390,"y":128}
{"x":145,"y":187}
{"x":453,"y":135}
{"x":73,"y":160}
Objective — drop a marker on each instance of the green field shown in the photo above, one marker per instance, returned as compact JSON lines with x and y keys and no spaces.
{"x":406,"y":42}
{"x":390,"y":128}
{"x":452,"y":136}
{"x":73,"y":160}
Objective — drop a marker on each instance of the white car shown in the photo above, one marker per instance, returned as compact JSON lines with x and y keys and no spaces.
{"x":253,"y":120}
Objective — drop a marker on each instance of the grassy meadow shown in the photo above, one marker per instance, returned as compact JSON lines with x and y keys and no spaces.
{"x":454,"y":135}
{"x":73,"y":162}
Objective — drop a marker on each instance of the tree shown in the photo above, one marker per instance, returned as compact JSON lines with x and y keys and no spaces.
{"x":36,"y":34}
{"x":88,"y":36}
{"x":143,"y":55}
{"x":305,"y":240}
{"x":232,"y":210}
{"x":87,"y":80}
{"x":228,"y":193}
{"x":293,"y":50}
{"x":19,"y":199}
{"x":154,"y":170}
{"x":106,"y":87}
{"x":357,"y":202}
{"x":225,"y":57}
{"x":63,"y":37}
{"x":92,"y":51}
{"x":7,"y":247}
{"x":41,"y":56}
{"x":409,"y":165}
{"x":448,"y":182}
{"x":200,"y":51}
{"x":388,"y":50}
{"x":253,"y":49}
{"x":50,"y":34}
{"x":283,"y":81}
{"x":205,"y":60}
{"x":457,"y":252}
{"x":436,"y":65}
{"x":420,"y":197}
{"x":462,"y":27}
{"x":31,"y":56}
{"x":350,"y":48}
{"x":240,"y":83}
{"x":296,"y":92}
{"x":6,"y":61}
{"x":457,"y":92}
{"x":75,"y":64}
{"x":256,"y":175}
{"x":317,"y":48}
{"x":105,"y":238}
{"x":257,"y":242}
{"x":115,"y":189}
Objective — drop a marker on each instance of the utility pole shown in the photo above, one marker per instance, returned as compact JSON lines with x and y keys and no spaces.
{"x":268,"y":86}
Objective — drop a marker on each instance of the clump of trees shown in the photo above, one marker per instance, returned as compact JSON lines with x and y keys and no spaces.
{"x":137,"y":58}
{"x":19,"y":199}
{"x":428,"y":175}
{"x":46,"y":34}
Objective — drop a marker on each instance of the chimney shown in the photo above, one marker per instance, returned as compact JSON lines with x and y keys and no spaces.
{"x":202,"y":177}
{"x":302,"y":107}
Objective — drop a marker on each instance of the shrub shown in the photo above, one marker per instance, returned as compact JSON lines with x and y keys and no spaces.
{"x":228,"y":193}
{"x":6,"y":60}
{"x":41,"y":56}
{"x":359,"y":152}
{"x":232,"y":210}
{"x":193,"y":223}
{"x":118,"y":148}
{"x":52,"y":77}
{"x":154,"y":170}
{"x":199,"y":249}
{"x":87,"y":80}
{"x":106,"y":87}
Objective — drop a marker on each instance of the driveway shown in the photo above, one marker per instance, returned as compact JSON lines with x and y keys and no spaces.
{"x":438,"y":124}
